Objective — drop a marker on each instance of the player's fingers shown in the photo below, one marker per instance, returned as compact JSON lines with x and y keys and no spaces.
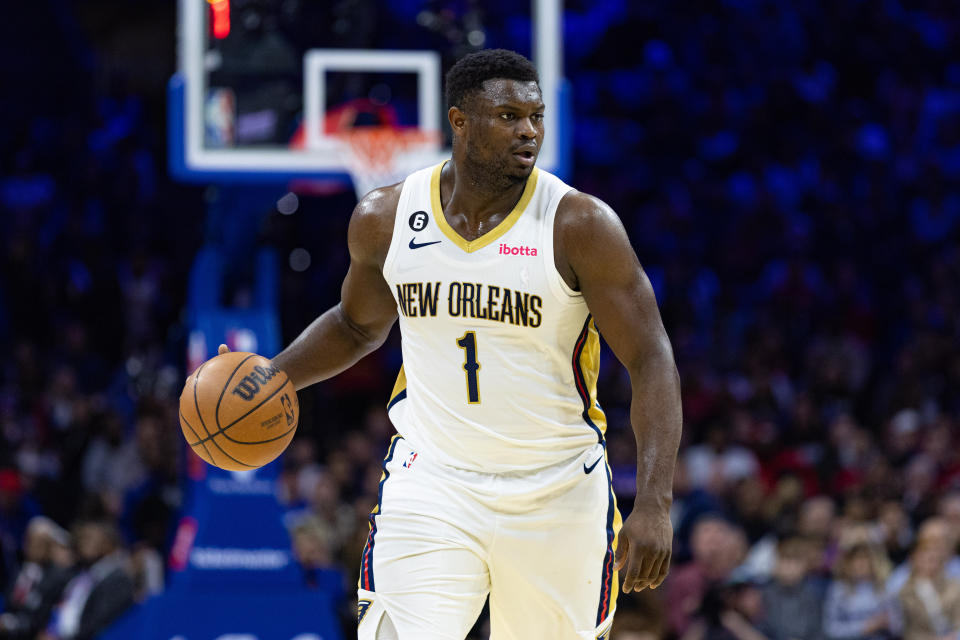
{"x":651,"y":569}
{"x":654,"y":574}
{"x":632,"y":573}
{"x":623,"y":552}
{"x":637,"y":568}
{"x":664,"y":570}
{"x":644,"y":579}
{"x":222,"y":349}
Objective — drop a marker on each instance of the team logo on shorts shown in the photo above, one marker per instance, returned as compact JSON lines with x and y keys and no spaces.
{"x":605,"y":634}
{"x":362,"y":607}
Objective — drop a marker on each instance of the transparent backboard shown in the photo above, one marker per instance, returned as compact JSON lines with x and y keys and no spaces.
{"x":264,"y":85}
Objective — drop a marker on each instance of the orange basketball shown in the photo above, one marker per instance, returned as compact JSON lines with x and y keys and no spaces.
{"x":238,"y":411}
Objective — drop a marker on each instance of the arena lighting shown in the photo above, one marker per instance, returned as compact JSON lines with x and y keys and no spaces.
{"x":221,"y":18}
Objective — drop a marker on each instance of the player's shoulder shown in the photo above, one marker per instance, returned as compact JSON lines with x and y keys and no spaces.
{"x":591,"y":242}
{"x":579,"y":212}
{"x":379,"y":206}
{"x":371,"y":224}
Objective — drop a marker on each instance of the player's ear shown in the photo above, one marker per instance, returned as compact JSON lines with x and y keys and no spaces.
{"x":457,"y":119}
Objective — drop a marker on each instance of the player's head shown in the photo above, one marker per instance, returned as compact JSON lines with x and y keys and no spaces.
{"x":496,"y":112}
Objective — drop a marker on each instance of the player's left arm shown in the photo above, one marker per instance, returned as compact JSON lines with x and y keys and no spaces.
{"x":594,"y":256}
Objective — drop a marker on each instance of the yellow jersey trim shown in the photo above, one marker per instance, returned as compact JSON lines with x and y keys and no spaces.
{"x":400,"y":384}
{"x":490,"y":236}
{"x":617,"y":526}
{"x":590,"y":367}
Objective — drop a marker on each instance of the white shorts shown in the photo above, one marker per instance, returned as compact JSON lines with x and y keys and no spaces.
{"x":540,"y":543}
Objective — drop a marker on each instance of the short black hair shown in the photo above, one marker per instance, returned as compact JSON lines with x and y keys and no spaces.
{"x":469,"y":73}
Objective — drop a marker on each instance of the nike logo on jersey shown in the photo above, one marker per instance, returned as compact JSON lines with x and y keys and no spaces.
{"x":417,"y":245}
{"x":587,"y":469}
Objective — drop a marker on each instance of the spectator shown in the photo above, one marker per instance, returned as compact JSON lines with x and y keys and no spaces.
{"x":146,"y":570}
{"x":311,"y":539}
{"x":101,"y":590}
{"x":893,"y":530}
{"x":791,"y":602}
{"x":717,"y":463}
{"x":640,"y":616}
{"x":935,"y":532}
{"x":855,"y":606}
{"x":38,"y":586}
{"x":717,"y":548}
{"x":16,"y":509}
{"x":311,"y":547}
{"x":929,"y":602}
{"x":729,"y":611}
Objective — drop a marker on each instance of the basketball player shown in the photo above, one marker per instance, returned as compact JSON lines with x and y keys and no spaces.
{"x":497,"y":482}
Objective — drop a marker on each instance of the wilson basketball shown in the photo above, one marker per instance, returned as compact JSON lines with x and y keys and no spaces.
{"x":238,"y":411}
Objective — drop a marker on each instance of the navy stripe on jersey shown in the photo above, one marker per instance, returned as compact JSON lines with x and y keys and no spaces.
{"x":606,"y":575}
{"x":397,"y":398}
{"x":366,"y":563}
{"x":580,"y":381}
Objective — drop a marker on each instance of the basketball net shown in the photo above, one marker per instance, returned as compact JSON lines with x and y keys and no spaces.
{"x":379,"y":155}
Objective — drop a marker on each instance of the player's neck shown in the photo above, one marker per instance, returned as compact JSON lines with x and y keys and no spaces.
{"x":474,"y":196}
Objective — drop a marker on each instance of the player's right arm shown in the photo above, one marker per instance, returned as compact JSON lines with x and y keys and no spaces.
{"x":361,"y":321}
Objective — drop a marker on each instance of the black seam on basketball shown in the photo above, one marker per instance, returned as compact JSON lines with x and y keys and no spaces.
{"x":252,"y":466}
{"x":282,"y":435}
{"x":262,"y":402}
{"x":196,"y":403}
{"x":216,"y":413}
{"x":197,"y":435}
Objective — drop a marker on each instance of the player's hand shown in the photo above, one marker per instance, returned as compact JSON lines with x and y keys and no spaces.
{"x":644,"y":548}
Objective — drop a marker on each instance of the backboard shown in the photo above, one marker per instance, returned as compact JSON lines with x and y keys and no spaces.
{"x":263,"y":85}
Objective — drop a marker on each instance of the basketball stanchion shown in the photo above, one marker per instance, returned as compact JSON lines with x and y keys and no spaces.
{"x":377,"y":156}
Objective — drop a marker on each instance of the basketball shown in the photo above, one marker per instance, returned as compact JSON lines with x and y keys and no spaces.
{"x":238,"y":411}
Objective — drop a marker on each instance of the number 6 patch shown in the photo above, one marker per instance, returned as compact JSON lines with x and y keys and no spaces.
{"x":419,"y":220}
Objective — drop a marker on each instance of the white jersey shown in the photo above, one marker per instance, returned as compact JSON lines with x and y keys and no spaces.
{"x":500,"y":355}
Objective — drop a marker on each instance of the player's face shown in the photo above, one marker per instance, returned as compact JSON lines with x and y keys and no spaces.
{"x":504,"y":129}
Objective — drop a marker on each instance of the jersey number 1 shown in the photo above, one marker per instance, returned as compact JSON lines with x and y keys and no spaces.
{"x":468,"y":342}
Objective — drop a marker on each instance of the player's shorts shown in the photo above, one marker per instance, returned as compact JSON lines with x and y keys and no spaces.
{"x":540,"y":543}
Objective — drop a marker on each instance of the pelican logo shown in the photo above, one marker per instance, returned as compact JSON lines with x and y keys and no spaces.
{"x":362,"y":607}
{"x":254,"y":381}
{"x":287,"y":408}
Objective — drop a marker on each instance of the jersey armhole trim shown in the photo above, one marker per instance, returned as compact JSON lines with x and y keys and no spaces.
{"x":558,"y":286}
{"x":397,"y":228}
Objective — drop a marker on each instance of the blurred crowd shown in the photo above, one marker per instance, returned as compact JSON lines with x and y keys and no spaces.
{"x":94,"y":250}
{"x":788,"y":173}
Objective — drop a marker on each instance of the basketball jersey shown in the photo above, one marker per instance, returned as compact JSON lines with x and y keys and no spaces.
{"x":500,"y":355}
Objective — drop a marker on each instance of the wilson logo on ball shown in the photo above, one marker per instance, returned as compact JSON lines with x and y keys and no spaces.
{"x":253,"y":381}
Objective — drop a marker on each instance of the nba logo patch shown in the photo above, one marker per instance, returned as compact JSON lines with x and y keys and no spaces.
{"x":362,"y":607}
{"x":287,"y":408}
{"x":409,"y":461}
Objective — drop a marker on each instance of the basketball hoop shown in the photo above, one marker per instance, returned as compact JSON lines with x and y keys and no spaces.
{"x":379,"y":155}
